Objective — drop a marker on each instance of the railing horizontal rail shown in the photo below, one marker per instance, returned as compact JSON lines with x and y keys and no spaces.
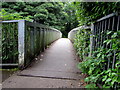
{"x":108,"y":16}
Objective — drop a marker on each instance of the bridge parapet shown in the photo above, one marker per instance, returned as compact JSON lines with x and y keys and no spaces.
{"x":71,"y":34}
{"x":23,"y":40}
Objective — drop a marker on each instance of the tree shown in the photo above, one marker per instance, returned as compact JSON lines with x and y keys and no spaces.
{"x":88,"y":12}
{"x":58,"y":15}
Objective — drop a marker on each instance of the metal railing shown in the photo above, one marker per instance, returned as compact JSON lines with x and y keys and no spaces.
{"x":100,"y":28}
{"x":99,"y":31}
{"x":23,"y":40}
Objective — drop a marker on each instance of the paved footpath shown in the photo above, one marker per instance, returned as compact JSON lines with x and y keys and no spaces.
{"x":54,"y":68}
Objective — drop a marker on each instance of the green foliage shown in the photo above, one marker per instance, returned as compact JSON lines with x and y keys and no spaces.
{"x":91,"y":86}
{"x":95,"y":66}
{"x":81,"y":43}
{"x":98,"y":67}
{"x":7,"y":16}
{"x":12,"y":16}
{"x":9,"y":43}
{"x":58,"y":15}
{"x":88,"y":12}
{"x":9,"y":38}
{"x":70,"y":19}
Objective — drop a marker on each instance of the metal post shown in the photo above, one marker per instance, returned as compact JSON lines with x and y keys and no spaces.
{"x":91,"y":40}
{"x":1,"y":51}
{"x":0,"y":43}
{"x":21,"y":46}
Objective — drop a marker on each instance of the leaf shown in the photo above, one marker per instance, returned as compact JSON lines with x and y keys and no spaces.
{"x":105,"y":77}
{"x":109,"y":41}
{"x":91,"y":86}
{"x":87,"y":79}
{"x":108,"y":80}
{"x":114,"y":35}
{"x":109,"y":32}
{"x":98,"y":55}
{"x":104,"y":86}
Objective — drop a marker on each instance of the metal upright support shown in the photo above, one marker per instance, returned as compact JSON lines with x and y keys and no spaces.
{"x":21,"y":46}
{"x":1,"y":51}
{"x":91,"y":40}
{"x":0,"y":43}
{"x":43,"y":39}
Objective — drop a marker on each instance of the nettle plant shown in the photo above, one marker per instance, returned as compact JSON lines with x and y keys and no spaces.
{"x":96,"y":66}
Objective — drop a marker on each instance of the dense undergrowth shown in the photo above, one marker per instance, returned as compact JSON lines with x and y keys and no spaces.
{"x":103,"y":64}
{"x":9,"y":38}
{"x":96,"y":66}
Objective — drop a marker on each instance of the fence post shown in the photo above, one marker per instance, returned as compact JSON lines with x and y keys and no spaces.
{"x":91,"y":40}
{"x":0,"y":43}
{"x":21,"y":46}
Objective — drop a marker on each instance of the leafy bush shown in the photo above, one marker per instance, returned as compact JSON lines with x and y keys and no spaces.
{"x":96,"y":65}
{"x":12,"y":16}
{"x":88,"y":12}
{"x":10,"y":37}
{"x":81,"y":43}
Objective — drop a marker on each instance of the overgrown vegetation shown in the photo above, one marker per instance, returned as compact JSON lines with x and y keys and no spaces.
{"x":82,"y":42}
{"x":59,"y":15}
{"x":100,"y":67}
{"x":88,"y":12}
{"x":96,"y":68}
{"x":9,"y":38}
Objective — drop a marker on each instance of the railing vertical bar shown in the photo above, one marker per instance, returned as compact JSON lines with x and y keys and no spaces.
{"x":108,"y":66}
{"x":95,"y":38}
{"x":106,"y":27}
{"x":118,"y":24}
{"x":102,"y":34}
{"x":1,"y":76}
{"x":114,"y":59}
{"x":40,"y":32}
{"x":21,"y":36}
{"x":91,"y":40}
{"x":97,"y":35}
{"x":43,"y":34}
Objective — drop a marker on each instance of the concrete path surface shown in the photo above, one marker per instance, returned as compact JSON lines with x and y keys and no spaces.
{"x":55,"y":68}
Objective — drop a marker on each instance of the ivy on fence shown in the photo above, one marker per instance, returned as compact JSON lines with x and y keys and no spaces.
{"x":96,"y":66}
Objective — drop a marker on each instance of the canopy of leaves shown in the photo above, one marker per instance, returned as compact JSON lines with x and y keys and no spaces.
{"x":88,"y":12}
{"x":59,"y":15}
